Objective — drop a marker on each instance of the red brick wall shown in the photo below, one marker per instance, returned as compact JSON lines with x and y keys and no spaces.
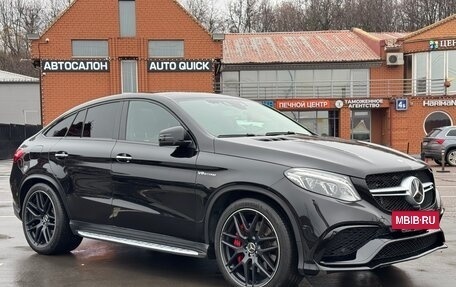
{"x":88,"y":19}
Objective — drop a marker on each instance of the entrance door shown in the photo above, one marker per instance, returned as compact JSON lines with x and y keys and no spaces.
{"x":129,"y":76}
{"x":361,"y":125}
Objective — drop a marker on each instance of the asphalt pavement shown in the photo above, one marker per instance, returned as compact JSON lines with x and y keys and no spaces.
{"x":96,"y":263}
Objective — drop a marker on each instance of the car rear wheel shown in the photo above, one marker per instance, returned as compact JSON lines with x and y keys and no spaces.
{"x":254,"y":246}
{"x":45,"y":223}
{"x":439,"y":162}
{"x":451,"y":157}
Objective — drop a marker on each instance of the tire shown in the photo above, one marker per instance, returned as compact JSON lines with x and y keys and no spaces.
{"x":438,"y":162}
{"x":451,"y":157}
{"x":262,"y":255}
{"x":45,"y":223}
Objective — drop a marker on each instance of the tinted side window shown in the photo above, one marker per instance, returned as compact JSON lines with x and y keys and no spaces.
{"x":452,"y":133}
{"x":76,"y":127}
{"x":145,"y":120}
{"x":101,"y":120}
{"x":60,"y":128}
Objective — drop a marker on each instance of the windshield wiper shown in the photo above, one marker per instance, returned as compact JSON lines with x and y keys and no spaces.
{"x":236,"y":135}
{"x":279,"y":133}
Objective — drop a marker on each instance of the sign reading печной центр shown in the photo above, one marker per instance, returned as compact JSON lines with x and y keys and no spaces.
{"x":164,"y":65}
{"x":92,"y":65}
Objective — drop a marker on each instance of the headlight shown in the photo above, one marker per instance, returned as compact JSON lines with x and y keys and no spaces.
{"x":324,"y":183}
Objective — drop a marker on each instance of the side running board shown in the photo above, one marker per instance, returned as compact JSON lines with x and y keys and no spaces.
{"x":153,"y":241}
{"x":148,"y":245}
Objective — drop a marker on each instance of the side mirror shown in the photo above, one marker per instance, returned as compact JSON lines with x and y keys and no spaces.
{"x":174,"y":136}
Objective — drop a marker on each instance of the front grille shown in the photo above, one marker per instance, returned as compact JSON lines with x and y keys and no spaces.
{"x":345,"y":244}
{"x":391,"y":203}
{"x":385,"y":180}
{"x":399,"y":203}
{"x":407,"y":248}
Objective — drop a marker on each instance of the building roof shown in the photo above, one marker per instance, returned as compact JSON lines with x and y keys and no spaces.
{"x":388,"y":35}
{"x":296,"y":47}
{"x":12,"y":77}
{"x":432,"y":26}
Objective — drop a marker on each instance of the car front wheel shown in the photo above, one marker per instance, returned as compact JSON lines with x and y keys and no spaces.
{"x":254,"y":246}
{"x":45,"y":222}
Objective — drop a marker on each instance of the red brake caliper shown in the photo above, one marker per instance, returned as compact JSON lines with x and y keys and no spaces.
{"x":238,"y":243}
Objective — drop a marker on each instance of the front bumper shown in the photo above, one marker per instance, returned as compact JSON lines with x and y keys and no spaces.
{"x":341,"y":236}
{"x":381,"y":249}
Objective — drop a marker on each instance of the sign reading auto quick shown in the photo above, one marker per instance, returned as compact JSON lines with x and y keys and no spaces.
{"x":75,"y":65}
{"x":179,"y":66}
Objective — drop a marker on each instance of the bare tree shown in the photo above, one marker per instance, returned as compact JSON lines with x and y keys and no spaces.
{"x":291,"y":16}
{"x":17,"y":19}
{"x":242,"y":16}
{"x":207,"y":14}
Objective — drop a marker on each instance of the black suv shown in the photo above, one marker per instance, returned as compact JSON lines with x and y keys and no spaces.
{"x":216,"y":176}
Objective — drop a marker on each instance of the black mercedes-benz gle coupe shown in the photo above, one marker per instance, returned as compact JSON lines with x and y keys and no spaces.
{"x":222,"y":177}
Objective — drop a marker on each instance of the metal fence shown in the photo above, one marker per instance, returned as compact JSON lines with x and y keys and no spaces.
{"x":337,"y":89}
{"x":12,"y":135}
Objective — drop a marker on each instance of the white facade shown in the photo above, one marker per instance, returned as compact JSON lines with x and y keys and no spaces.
{"x":19,"y":99}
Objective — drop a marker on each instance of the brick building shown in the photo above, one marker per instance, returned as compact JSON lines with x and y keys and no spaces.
{"x":387,"y":88}
{"x":98,"y":48}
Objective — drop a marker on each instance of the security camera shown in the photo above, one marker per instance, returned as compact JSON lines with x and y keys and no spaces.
{"x":47,"y":40}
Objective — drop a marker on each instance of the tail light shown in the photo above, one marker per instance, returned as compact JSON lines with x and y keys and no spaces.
{"x":440,"y":141}
{"x":18,"y":155}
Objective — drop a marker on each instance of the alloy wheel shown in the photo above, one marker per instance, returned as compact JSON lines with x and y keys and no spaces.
{"x":40,"y":218}
{"x":250,"y":248}
{"x":451,"y":158}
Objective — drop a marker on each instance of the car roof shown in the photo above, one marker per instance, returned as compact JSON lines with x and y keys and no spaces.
{"x":173,"y":96}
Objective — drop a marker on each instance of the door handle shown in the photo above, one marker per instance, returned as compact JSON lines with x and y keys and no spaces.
{"x":123,"y":157}
{"x":61,"y":155}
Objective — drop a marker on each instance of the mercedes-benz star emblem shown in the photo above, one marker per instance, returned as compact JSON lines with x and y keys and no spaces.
{"x":415,"y":190}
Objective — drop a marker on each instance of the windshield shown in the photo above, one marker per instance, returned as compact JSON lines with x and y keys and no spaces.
{"x":225,"y":117}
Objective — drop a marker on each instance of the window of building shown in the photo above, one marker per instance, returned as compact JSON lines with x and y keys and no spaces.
{"x":129,"y":76}
{"x":341,"y":83}
{"x":360,"y":83}
{"x":249,"y":84}
{"x":430,"y":71}
{"x":436,"y":120}
{"x":230,"y":84}
{"x":325,"y":123}
{"x":60,"y":128}
{"x":78,"y":123}
{"x":90,"y":48}
{"x":304,"y":83}
{"x":299,"y":83}
{"x":127,"y":18}
{"x":101,"y":121}
{"x":166,"y":49}
{"x":451,"y":56}
{"x":145,"y":120}
{"x":437,"y":73}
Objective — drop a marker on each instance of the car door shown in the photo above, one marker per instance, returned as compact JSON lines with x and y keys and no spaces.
{"x":153,"y":186}
{"x":82,"y":162}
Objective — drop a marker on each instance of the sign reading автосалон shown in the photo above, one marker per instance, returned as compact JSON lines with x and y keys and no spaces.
{"x":179,"y":66}
{"x":92,"y":65}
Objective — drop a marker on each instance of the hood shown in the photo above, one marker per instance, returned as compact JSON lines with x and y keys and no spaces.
{"x":351,"y":158}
